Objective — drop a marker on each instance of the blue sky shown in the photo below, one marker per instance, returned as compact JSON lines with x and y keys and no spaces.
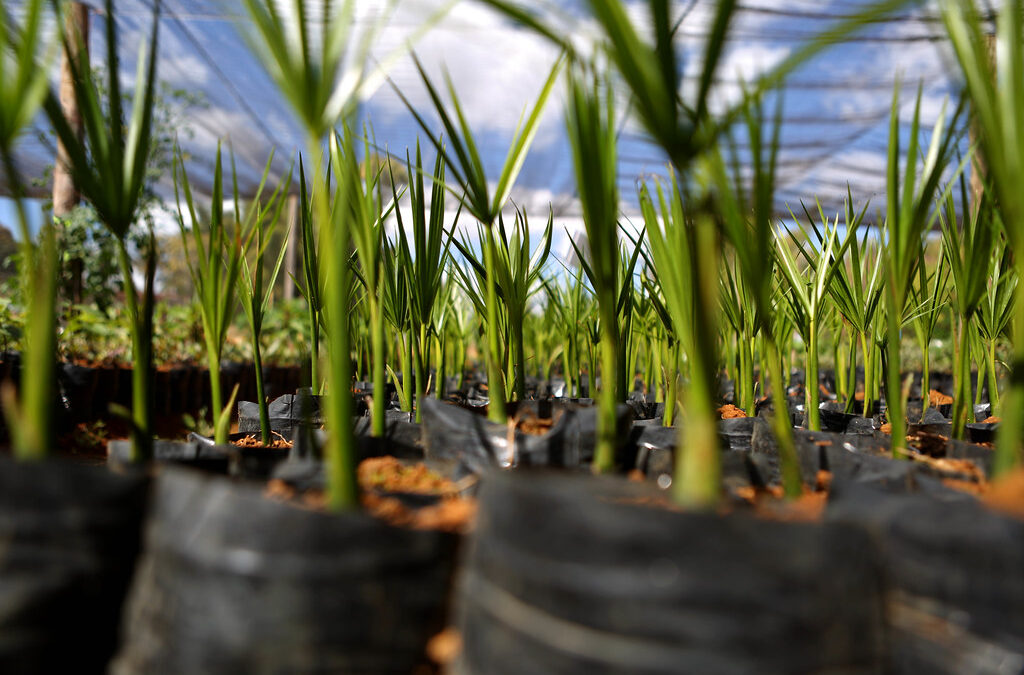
{"x":836,"y":109}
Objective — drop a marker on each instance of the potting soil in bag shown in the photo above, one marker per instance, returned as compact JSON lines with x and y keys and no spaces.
{"x":233,"y":582}
{"x":69,"y":538}
{"x":579,"y":574}
{"x":957,"y":575}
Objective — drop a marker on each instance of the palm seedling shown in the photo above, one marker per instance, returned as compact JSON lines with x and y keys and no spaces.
{"x":686,"y":130}
{"x":807,"y":294}
{"x":930,"y":295}
{"x":590,"y":119}
{"x":426,"y":258}
{"x":215,"y":265}
{"x":968,"y":250}
{"x":319,"y":65}
{"x":257,"y":289}
{"x":997,"y":106}
{"x":994,"y":315}
{"x":23,"y":85}
{"x":466,"y":168}
{"x":396,"y":305}
{"x":365,"y":215}
{"x":754,"y":272}
{"x":911,"y":202}
{"x":570,"y":301}
{"x":310,"y":285}
{"x":856,"y":291}
{"x":740,"y":313}
{"x":517,"y":276}
{"x":109,"y":169}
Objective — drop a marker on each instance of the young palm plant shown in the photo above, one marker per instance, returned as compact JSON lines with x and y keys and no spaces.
{"x":466,"y":167}
{"x":750,"y":237}
{"x":856,"y":291}
{"x":257,"y":289}
{"x":930,"y":295}
{"x":968,"y":250}
{"x":215,"y":265}
{"x":911,"y":209}
{"x":994,"y":315}
{"x":590,"y":120}
{"x":23,"y":84}
{"x":109,"y":169}
{"x":997,"y":105}
{"x":426,"y":258}
{"x":517,"y":276}
{"x":807,"y":291}
{"x":319,"y":65}
{"x":365,"y":215}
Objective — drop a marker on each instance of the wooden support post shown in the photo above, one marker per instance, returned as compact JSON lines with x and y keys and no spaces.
{"x":65,"y":194}
{"x":292,"y":259}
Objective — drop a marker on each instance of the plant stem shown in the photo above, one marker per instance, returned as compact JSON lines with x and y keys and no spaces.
{"x":422,"y":369}
{"x":811,"y":378}
{"x":867,"y":348}
{"x":961,"y":379}
{"x":340,"y":452}
{"x":604,"y":453}
{"x":380,"y":391}
{"x":141,"y":327}
{"x":894,"y":384}
{"x":495,"y":380}
{"x":926,"y":380}
{"x":261,"y":396}
{"x":216,"y":402}
{"x":314,"y":351}
{"x":1008,"y":440}
{"x":993,"y":386}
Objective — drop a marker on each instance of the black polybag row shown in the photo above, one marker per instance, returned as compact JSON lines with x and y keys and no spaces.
{"x":69,"y":538}
{"x":568,"y":574}
{"x":233,"y":582}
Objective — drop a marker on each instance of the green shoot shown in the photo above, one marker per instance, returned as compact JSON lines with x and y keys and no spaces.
{"x":109,"y":169}
{"x":464,"y":163}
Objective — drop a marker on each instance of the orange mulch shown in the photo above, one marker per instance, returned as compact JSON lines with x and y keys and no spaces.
{"x":729,"y":411}
{"x":251,"y":441}
{"x":936,"y":397}
{"x":451,"y":513}
{"x":991,"y":420}
{"x":1006,"y":495}
{"x":771,"y":504}
{"x":528,"y":422}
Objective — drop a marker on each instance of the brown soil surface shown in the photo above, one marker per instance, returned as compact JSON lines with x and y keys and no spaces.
{"x":991,"y":420}
{"x":529,"y":423}
{"x":771,"y":504}
{"x":450,"y":514}
{"x":729,"y":411}
{"x":254,"y":442}
{"x":391,"y":475}
{"x":936,"y":398}
{"x":1006,"y":495}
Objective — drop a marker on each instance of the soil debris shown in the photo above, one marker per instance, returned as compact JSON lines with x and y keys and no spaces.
{"x":250,"y":441}
{"x":729,"y":412}
{"x":451,"y":513}
{"x":1006,"y":495}
{"x":937,"y":398}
